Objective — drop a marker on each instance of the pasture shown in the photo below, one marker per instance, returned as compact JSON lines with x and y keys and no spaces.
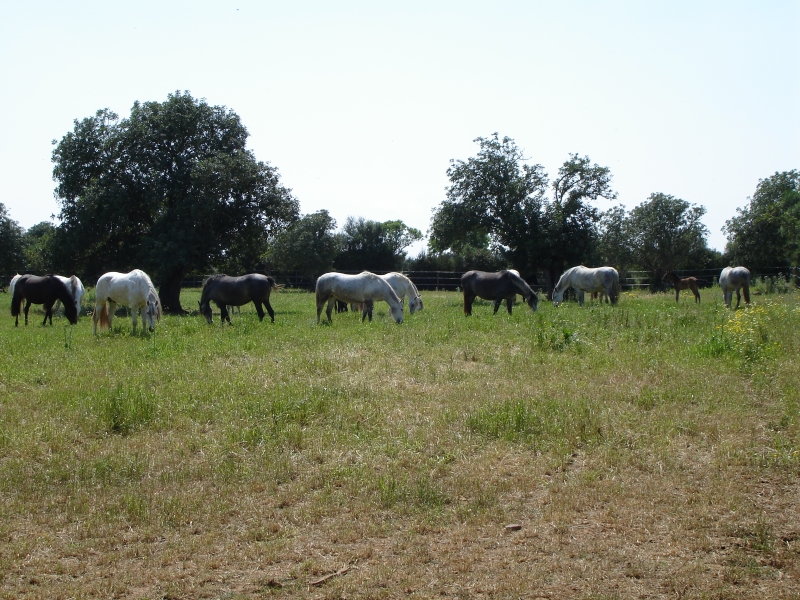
{"x":649,"y":449}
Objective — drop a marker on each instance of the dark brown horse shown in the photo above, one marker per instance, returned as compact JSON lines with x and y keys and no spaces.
{"x":42,"y":290}
{"x":227,"y":291}
{"x":503,"y":285}
{"x":685,"y":283}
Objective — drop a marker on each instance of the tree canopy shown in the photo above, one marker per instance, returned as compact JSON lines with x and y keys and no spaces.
{"x":766,"y":233}
{"x":365,"y":244}
{"x":308,"y":245}
{"x":170,"y":189}
{"x":665,"y":233}
{"x":495,"y":194}
{"x":12,"y":259}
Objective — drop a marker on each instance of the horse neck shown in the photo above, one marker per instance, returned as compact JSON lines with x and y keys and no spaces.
{"x":413,"y":288}
{"x":390,"y":295}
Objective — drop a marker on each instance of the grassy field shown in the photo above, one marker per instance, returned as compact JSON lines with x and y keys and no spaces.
{"x":646,"y":450}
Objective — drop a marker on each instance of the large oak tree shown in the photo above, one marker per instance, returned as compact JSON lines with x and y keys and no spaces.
{"x":170,"y":189}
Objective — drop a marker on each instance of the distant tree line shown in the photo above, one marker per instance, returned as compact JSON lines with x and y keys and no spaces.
{"x":172,"y":189}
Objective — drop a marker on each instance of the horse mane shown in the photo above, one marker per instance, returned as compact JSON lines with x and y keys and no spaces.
{"x":565,"y":274}
{"x":73,"y":285}
{"x":521,"y":285}
{"x":211,"y":278}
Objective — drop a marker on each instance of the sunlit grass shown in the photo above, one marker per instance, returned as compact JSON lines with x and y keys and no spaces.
{"x":263,"y":439}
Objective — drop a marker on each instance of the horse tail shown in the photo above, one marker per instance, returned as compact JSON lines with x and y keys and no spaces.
{"x":275,"y":285}
{"x":103,"y":316}
{"x":16,"y":302}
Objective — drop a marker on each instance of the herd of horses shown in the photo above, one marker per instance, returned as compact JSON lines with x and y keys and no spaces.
{"x":136,"y":290}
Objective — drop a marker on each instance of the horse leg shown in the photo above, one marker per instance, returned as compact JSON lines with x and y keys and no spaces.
{"x":509,"y":304}
{"x":272,"y":312}
{"x":738,"y":298}
{"x":677,"y":294}
{"x":696,"y":293}
{"x":320,"y":304}
{"x":497,"y":304}
{"x":27,"y":306}
{"x":329,"y":310}
{"x":580,"y":297}
{"x":260,"y":311}
{"x":468,"y":299}
{"x":368,"y":304}
{"x":112,"y":309}
{"x":746,"y":292}
{"x":135,"y":318}
{"x":365,"y":311}
{"x":224,"y":314}
{"x":48,"y":312}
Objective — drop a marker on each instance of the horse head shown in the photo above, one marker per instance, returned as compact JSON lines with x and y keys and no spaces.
{"x":205,"y":310}
{"x":558,"y":296}
{"x":415,"y":304}
{"x":397,"y":312}
{"x":152,"y":314}
{"x":533,"y":301}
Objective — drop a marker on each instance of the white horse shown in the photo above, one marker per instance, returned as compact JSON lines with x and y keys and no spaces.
{"x":731,"y":280}
{"x":403,"y":287}
{"x":132,"y":289}
{"x":76,"y":289}
{"x":364,"y":288}
{"x":584,"y":279}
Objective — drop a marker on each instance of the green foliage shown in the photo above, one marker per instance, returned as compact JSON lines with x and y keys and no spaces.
{"x":766,"y":233}
{"x":464,"y":259}
{"x":665,"y":233}
{"x":11,"y":244}
{"x":170,"y":189}
{"x":39,"y":241}
{"x":495,"y":194}
{"x":372,"y":245}
{"x":308,"y":246}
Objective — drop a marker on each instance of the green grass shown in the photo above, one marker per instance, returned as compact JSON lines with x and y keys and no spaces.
{"x":253,"y":459}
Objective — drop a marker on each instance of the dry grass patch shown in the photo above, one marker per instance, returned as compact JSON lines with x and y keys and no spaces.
{"x":646,"y":450}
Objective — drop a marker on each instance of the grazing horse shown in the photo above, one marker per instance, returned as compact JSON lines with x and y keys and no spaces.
{"x":685,"y":283}
{"x":363,"y":288}
{"x":76,"y":289}
{"x":403,"y":287}
{"x":227,"y":291}
{"x":503,"y":285}
{"x":584,"y":279}
{"x":132,"y":289}
{"x":732,"y":279}
{"x":42,"y":290}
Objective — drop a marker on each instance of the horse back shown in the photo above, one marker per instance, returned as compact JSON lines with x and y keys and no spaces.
{"x":488,"y":286}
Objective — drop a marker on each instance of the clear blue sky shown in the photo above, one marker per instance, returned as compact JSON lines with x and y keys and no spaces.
{"x":361,"y":105}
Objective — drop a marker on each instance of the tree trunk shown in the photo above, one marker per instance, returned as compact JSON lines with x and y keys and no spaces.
{"x":170,"y":291}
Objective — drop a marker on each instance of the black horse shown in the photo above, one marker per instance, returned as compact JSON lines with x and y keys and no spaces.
{"x":503,"y":285}
{"x":42,"y":290}
{"x":236,"y":291}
